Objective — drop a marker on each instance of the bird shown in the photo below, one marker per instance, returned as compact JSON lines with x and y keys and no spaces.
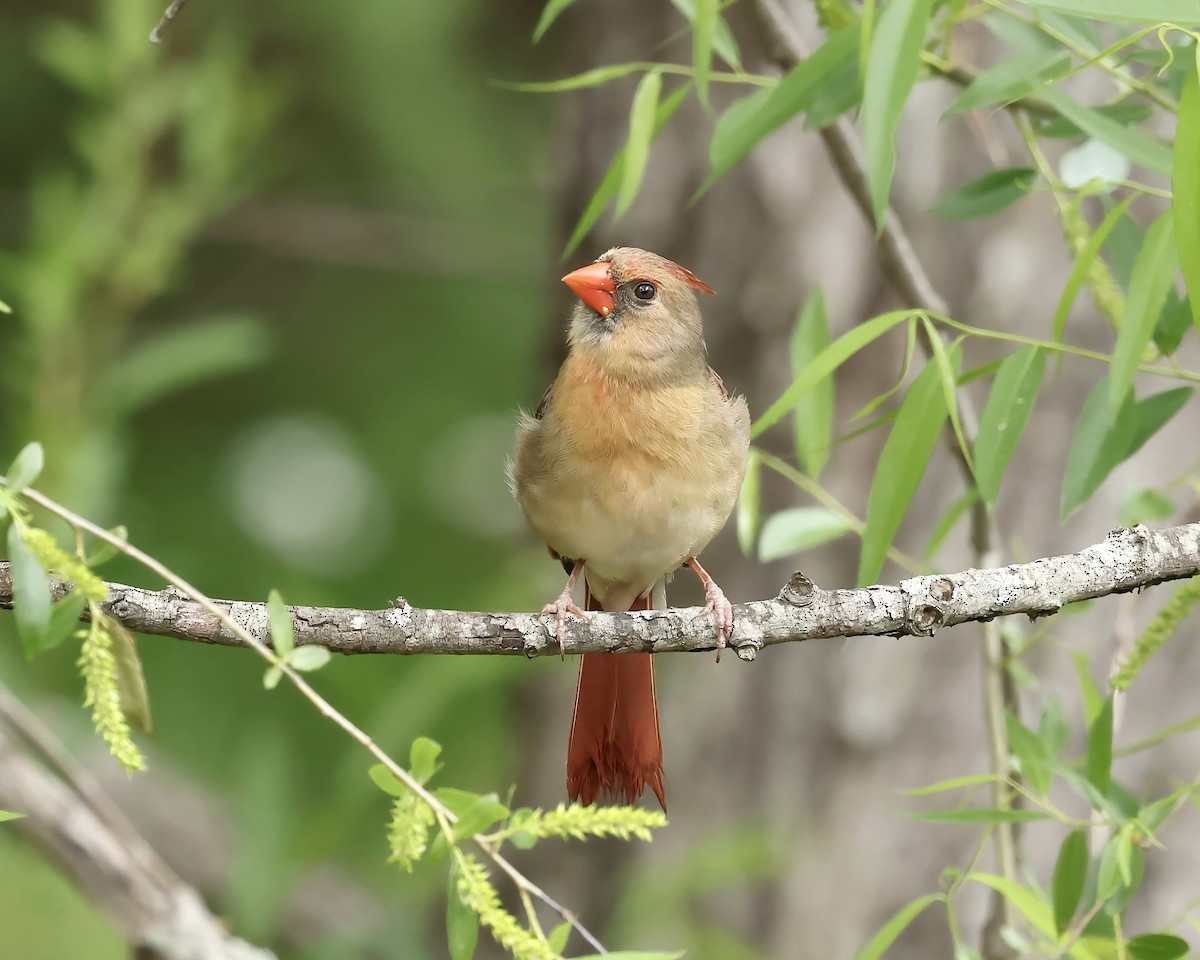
{"x":629,"y":467}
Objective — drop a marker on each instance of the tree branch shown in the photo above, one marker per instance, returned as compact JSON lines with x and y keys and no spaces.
{"x":1126,"y":560}
{"x":114,"y":867}
{"x":156,"y":35}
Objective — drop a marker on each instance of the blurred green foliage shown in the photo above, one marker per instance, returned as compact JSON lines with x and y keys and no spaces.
{"x":325,"y":220}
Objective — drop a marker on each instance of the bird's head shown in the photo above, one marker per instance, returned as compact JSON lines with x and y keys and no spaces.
{"x":638,"y":305}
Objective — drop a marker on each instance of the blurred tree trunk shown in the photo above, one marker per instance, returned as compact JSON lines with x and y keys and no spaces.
{"x":813,"y":746}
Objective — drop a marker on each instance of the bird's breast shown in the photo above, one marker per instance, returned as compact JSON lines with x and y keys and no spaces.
{"x":635,"y":479}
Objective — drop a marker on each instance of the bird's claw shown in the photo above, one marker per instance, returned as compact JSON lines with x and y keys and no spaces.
{"x":559,"y":609}
{"x":719,"y":608}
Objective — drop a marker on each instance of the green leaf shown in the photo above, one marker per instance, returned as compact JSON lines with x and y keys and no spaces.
{"x":948,"y":373}
{"x":989,"y":194}
{"x":956,"y":783}
{"x":1099,"y":748}
{"x":26,"y":467}
{"x":131,"y":681}
{"x":1070,"y":873}
{"x":31,"y":593}
{"x":6,"y":815}
{"x":839,"y":92}
{"x":1092,"y":700}
{"x":1139,"y":147}
{"x":814,"y":412}
{"x":749,"y":506}
{"x":892,"y":65}
{"x":1130,"y":861}
{"x":180,"y":357}
{"x":387,"y":781}
{"x":826,"y":362}
{"x":1011,"y":79}
{"x":1153,"y":275}
{"x":1145,"y":504}
{"x":273,"y":675}
{"x":280,"y":620}
{"x":1175,"y":321}
{"x":1155,"y":814}
{"x":982,"y":815}
{"x":462,"y":924}
{"x":1096,"y":448}
{"x":557,"y":938}
{"x":1032,"y":753}
{"x":1123,"y":112}
{"x":1153,"y":413}
{"x":1052,"y":726}
{"x":4,"y":307}
{"x":64,"y":619}
{"x":1184,"y":13}
{"x":958,"y":509}
{"x":1123,"y":247}
{"x":901,"y":465}
{"x":1083,"y":264}
{"x":1028,"y":903}
{"x":1120,"y":872}
{"x":751,"y":119}
{"x":480,"y":815}
{"x":422,"y":759}
{"x":704,"y":27}
{"x":1185,"y":187}
{"x":311,"y":656}
{"x":641,"y":134}
{"x":457,"y":801}
{"x":1005,"y":415}
{"x":795,"y":530}
{"x":723,"y":43}
{"x":613,"y":176}
{"x":596,"y":77}
{"x":1157,"y":946}
{"x":550,"y":13}
{"x":896,"y":926}
{"x":910,"y":346}
{"x":103,"y":551}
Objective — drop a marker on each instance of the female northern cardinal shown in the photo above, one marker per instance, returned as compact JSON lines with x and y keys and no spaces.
{"x":630,"y":466}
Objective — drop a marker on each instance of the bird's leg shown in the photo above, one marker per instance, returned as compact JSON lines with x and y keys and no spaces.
{"x":717,"y":605}
{"x":565,"y":605}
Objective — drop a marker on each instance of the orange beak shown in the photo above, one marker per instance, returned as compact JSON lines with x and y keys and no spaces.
{"x":594,"y":285}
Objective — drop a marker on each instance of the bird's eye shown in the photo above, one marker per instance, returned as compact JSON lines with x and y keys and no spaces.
{"x":645,"y":291}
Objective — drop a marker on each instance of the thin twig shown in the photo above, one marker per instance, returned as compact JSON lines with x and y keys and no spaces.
{"x":156,"y":35}
{"x":263,"y":649}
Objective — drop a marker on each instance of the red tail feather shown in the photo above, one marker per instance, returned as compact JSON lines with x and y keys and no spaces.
{"x":615,"y":749}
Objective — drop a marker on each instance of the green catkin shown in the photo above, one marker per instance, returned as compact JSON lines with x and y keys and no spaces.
{"x":98,"y":666}
{"x":476,"y":891}
{"x":408,"y":832}
{"x":1105,"y":290}
{"x":1159,"y":630}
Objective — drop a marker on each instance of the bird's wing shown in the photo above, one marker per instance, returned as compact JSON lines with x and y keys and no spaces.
{"x":547,"y":397}
{"x":712,"y":375}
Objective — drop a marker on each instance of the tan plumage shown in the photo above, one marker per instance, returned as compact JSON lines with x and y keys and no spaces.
{"x":631,"y":465}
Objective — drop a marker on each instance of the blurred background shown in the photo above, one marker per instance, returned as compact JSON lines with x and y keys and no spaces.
{"x":280,"y":285}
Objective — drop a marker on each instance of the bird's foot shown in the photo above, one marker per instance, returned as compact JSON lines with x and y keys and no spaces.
{"x":560,"y":609}
{"x":717,"y":606}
